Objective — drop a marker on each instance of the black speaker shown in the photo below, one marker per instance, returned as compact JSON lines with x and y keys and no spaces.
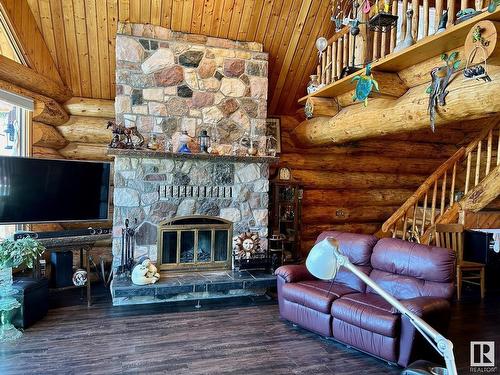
{"x":61,"y":272}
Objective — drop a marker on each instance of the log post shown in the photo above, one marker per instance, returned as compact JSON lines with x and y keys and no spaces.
{"x":28,"y":79}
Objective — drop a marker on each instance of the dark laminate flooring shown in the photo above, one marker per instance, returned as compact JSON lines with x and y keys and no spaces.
{"x":248,"y":338}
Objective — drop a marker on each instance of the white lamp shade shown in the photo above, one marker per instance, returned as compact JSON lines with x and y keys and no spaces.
{"x":321,"y":261}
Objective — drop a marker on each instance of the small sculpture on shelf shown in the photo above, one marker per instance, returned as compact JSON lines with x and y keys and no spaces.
{"x":465,"y":14}
{"x":408,"y":40}
{"x":124,"y":137}
{"x":183,"y":143}
{"x":442,"y":22}
{"x":440,"y":81}
{"x":364,"y":85}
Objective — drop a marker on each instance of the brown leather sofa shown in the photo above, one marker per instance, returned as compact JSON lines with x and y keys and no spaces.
{"x":346,"y":310}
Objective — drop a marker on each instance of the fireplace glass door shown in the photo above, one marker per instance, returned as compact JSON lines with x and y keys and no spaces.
{"x":196,"y":242}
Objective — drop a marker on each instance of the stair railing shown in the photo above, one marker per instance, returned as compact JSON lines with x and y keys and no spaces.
{"x":435,"y":201}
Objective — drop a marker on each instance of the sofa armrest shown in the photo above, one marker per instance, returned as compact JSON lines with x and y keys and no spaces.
{"x":426,"y":306}
{"x":434,"y":311}
{"x":294,"y":273}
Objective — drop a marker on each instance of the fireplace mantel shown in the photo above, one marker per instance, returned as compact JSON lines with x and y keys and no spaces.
{"x":144,"y":153}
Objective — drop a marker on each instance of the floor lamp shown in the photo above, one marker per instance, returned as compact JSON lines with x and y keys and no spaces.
{"x":323,"y":262}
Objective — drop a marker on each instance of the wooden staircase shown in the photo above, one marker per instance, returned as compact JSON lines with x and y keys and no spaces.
{"x":467,"y":181}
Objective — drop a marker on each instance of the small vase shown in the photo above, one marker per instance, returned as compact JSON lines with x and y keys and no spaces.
{"x":7,"y":304}
{"x":313,"y":85}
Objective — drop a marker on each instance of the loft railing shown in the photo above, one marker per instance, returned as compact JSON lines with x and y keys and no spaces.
{"x":373,"y":45}
{"x":436,"y":199}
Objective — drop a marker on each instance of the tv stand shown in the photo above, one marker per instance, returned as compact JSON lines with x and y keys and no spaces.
{"x":84,"y":244}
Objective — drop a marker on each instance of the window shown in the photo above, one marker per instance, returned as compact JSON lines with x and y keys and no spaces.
{"x":15,"y":112}
{"x":14,"y":131}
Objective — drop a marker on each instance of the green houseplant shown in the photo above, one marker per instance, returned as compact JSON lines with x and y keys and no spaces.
{"x":23,"y":252}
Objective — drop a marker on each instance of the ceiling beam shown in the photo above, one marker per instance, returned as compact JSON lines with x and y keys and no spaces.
{"x":29,"y":39}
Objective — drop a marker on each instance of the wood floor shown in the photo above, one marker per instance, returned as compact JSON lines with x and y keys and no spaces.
{"x":248,"y":339}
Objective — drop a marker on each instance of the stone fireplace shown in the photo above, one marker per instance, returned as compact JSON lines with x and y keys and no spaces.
{"x":169,"y":82}
{"x":190,"y":193}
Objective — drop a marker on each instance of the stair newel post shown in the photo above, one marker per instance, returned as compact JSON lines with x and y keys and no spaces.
{"x":478,"y":163}
{"x":489,"y":151}
{"x":443,"y":193}
{"x":452,"y":187}
{"x":424,"y":214}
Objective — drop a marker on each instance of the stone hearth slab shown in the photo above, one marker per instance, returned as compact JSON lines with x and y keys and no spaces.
{"x":174,"y":287}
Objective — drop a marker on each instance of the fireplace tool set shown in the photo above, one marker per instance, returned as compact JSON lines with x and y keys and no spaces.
{"x":128,"y":248}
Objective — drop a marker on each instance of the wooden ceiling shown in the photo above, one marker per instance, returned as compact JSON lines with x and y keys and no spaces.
{"x":80,"y":35}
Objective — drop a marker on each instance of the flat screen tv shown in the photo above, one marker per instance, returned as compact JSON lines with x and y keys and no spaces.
{"x":42,"y":190}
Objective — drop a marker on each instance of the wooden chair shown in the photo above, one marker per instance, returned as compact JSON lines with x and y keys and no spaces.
{"x":451,"y":236}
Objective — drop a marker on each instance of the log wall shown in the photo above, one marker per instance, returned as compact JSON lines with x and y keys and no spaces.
{"x":356,"y":186}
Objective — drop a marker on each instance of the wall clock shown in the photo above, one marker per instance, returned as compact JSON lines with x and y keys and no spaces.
{"x":284,"y":174}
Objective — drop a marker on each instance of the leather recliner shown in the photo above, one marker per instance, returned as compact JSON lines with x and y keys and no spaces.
{"x":420,"y":276}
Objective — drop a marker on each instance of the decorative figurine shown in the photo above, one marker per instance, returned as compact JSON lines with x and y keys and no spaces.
{"x":442,"y":22}
{"x":133,"y":139}
{"x":408,"y":40}
{"x":313,"y":84}
{"x":247,"y":244}
{"x":465,"y":14}
{"x":477,"y":69}
{"x":364,"y":86}
{"x":153,"y":143}
{"x":183,"y":143}
{"x":440,"y":81}
{"x":142,"y":274}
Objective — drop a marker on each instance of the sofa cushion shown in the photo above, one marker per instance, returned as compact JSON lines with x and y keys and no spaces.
{"x":409,"y":270}
{"x":368,"y":311}
{"x":358,"y":248}
{"x":315,"y":294}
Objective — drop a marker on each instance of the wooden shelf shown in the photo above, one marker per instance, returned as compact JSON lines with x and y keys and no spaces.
{"x":424,"y":49}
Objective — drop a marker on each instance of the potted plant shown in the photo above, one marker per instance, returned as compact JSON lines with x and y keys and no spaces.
{"x":23,"y":252}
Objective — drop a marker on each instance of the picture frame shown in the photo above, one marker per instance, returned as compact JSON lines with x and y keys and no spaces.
{"x":273,"y":128}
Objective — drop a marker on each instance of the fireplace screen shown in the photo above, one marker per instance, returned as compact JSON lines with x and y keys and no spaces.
{"x":195,"y":242}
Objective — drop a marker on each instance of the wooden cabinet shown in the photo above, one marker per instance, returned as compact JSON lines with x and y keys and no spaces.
{"x":285,"y":213}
